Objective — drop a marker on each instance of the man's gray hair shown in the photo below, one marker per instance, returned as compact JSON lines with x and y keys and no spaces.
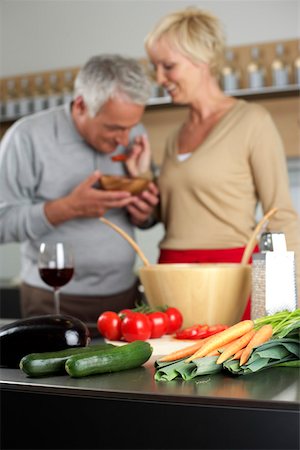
{"x":110,"y":76}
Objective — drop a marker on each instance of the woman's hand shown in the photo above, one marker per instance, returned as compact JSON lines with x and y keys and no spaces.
{"x":139,"y":157}
{"x":142,"y":207}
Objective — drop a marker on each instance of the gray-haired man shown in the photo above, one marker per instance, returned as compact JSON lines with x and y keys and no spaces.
{"x":50,"y":163}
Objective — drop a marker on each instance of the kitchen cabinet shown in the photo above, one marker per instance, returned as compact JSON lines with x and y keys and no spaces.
{"x":130,"y":410}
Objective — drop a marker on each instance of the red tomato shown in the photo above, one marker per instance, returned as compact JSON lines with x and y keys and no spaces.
{"x":136,"y":327}
{"x":160,"y":323}
{"x":193,"y":332}
{"x":120,"y":157}
{"x":175,"y":319}
{"x":109,"y":325}
{"x":124,"y":312}
{"x":198,"y":331}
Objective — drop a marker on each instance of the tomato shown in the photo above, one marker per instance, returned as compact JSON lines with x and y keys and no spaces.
{"x":136,"y":327}
{"x":193,"y":332}
{"x":124,"y":312}
{"x":198,"y":331}
{"x":160,"y":323}
{"x":175,"y":319}
{"x":120,"y":157}
{"x":214,"y":329}
{"x":109,"y":325}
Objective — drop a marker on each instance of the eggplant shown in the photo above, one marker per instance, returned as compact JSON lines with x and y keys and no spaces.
{"x":37,"y":334}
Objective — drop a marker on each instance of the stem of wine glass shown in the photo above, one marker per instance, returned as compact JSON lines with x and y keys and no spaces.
{"x":56,"y":301}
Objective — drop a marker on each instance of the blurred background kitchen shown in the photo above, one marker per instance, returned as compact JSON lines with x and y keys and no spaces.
{"x":43,"y":43}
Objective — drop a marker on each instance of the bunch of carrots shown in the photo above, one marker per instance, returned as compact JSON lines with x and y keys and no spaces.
{"x":236,"y":342}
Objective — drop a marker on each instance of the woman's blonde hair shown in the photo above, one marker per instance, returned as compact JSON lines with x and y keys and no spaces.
{"x":197,"y":34}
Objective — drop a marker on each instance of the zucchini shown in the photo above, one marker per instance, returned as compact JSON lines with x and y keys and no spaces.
{"x":124,"y":357}
{"x":51,"y":363}
{"x":47,"y":333}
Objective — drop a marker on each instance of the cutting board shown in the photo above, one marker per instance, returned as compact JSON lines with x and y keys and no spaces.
{"x":162,"y":346}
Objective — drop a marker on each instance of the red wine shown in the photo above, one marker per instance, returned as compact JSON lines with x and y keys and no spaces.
{"x":56,"y":277}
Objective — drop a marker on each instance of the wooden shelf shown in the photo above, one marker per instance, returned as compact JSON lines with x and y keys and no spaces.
{"x":161,"y":115}
{"x":267,"y":92}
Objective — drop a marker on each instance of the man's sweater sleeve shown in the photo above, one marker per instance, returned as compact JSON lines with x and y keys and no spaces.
{"x":22,"y":215}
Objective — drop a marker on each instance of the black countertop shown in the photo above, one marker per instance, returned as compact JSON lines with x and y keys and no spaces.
{"x":257,"y":411}
{"x":272,"y":388}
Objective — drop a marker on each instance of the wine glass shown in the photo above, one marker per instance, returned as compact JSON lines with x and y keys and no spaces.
{"x":56,"y":267}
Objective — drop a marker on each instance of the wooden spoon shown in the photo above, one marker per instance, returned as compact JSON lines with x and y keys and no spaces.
{"x":128,"y":239}
{"x":252,"y":242}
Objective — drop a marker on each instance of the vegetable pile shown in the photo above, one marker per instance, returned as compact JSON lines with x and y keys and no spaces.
{"x":91,"y":360}
{"x":60,"y":344}
{"x":246,"y":347}
{"x":141,"y":323}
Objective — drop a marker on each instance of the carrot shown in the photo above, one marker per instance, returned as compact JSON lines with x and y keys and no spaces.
{"x":237,"y":355}
{"x":183,"y":352}
{"x":224,"y":347}
{"x":262,"y":335}
{"x":213,"y":353}
{"x":218,"y":351}
{"x":224,"y":337}
{"x":235,"y":346}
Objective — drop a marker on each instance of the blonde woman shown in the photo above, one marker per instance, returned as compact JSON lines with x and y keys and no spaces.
{"x":223,"y":160}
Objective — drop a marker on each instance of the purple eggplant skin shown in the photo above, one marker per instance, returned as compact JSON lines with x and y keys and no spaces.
{"x":36,"y":334}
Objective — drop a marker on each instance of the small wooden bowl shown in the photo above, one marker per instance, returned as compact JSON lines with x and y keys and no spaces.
{"x":118,"y":183}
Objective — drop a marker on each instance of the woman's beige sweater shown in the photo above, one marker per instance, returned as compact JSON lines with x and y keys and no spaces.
{"x":210,"y":199}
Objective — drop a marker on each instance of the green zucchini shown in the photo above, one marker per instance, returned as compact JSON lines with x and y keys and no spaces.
{"x":127,"y":356}
{"x":51,"y":363}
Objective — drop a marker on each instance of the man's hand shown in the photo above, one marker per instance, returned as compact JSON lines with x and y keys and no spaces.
{"x":139,"y":157}
{"x":142,"y":207}
{"x":86,"y":201}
